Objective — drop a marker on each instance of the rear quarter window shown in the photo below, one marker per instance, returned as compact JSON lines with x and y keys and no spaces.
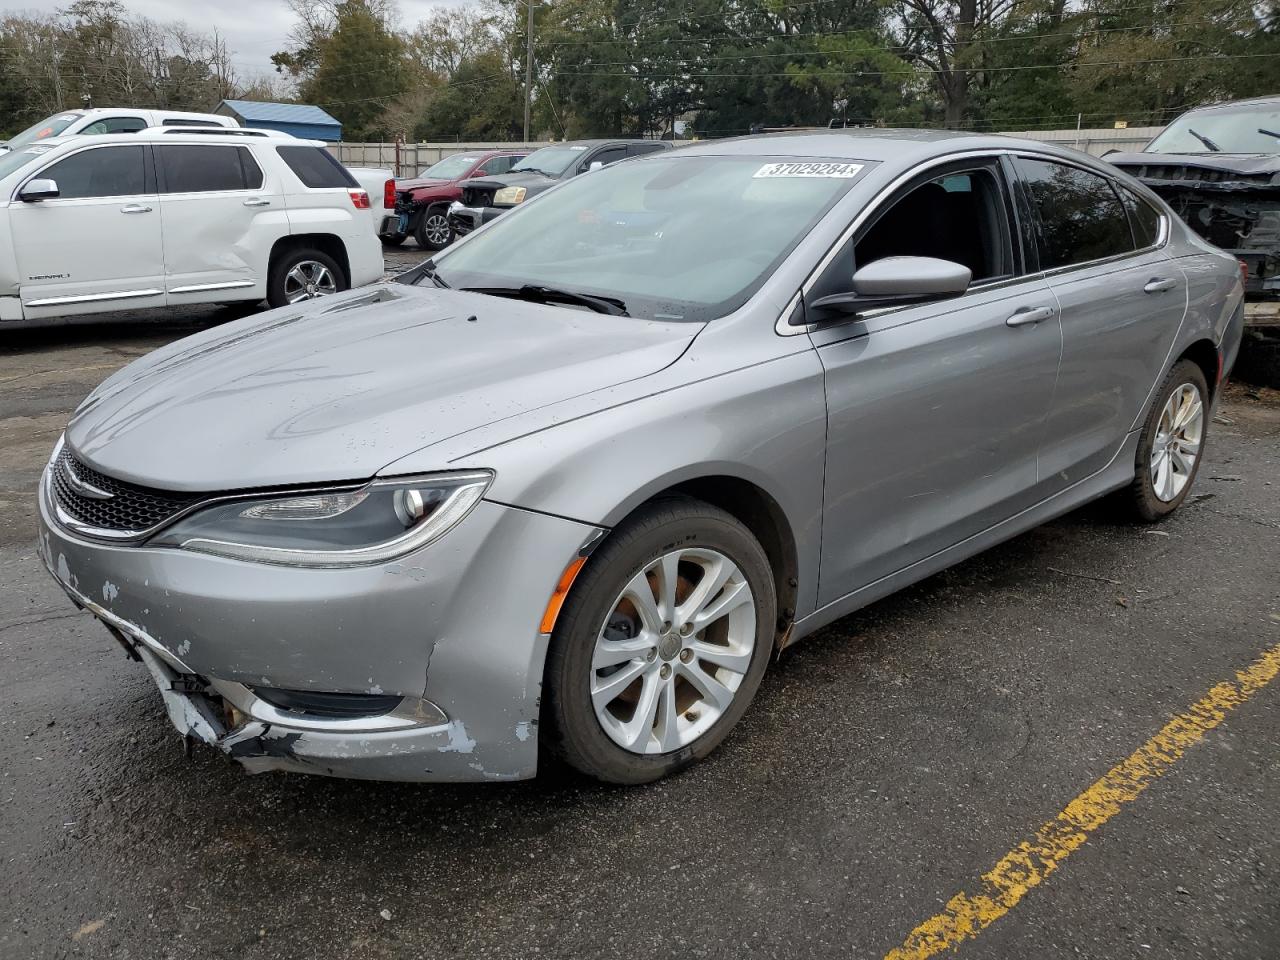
{"x":1144,"y":218}
{"x":316,"y":167}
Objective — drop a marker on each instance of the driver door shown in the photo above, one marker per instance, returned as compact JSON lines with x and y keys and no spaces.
{"x":96,"y":246}
{"x":935,"y":411}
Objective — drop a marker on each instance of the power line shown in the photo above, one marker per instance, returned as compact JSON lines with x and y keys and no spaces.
{"x":913,"y":71}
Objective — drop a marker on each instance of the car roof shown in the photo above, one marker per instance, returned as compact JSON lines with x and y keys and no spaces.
{"x":872,"y":144}
{"x":178,"y":135}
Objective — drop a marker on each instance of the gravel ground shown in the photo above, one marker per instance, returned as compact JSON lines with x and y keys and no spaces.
{"x":886,"y":764}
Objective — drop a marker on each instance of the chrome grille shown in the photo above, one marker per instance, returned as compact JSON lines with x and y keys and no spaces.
{"x":107,"y":504}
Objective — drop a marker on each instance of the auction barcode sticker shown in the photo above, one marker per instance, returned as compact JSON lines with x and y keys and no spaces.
{"x":842,"y":171}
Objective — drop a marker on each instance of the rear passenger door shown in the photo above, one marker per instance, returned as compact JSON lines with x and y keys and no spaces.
{"x":1122,"y":300}
{"x":220,"y":219}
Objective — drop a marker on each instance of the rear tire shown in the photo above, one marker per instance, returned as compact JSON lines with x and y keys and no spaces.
{"x":286,"y":280}
{"x":705,"y":649}
{"x":1171,"y":447}
{"x":433,"y":231}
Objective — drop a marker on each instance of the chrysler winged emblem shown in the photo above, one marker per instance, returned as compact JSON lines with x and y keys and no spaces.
{"x":83,"y":487}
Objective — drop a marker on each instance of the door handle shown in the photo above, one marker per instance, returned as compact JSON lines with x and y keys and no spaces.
{"x":257,"y":202}
{"x":135,"y":208}
{"x":1029,"y":316}
{"x":1160,"y":285}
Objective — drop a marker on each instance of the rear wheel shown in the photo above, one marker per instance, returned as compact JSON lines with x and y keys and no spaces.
{"x":433,"y":231}
{"x":661,"y":645}
{"x":1172,"y":443}
{"x":303,"y":274}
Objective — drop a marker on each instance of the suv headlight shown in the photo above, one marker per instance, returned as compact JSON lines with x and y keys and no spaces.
{"x":509,"y":195}
{"x":380,"y":521}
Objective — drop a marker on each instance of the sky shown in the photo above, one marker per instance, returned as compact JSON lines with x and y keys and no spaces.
{"x":253,"y":29}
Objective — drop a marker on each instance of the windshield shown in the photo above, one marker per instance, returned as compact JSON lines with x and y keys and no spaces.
{"x":1234,"y":130}
{"x":46,"y":128}
{"x":450,"y":168}
{"x":9,"y":162}
{"x":552,"y":161}
{"x":673,"y":238}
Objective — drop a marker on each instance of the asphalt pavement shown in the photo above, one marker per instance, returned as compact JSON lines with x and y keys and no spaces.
{"x":887,"y":764}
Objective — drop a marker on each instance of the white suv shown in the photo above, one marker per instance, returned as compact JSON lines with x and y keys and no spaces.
{"x":110,"y":120}
{"x":169,"y":217}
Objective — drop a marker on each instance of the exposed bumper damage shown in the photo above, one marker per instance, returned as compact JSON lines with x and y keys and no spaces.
{"x":1233,"y":201}
{"x":460,"y":661}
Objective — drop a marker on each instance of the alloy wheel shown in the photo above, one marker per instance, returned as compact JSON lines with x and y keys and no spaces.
{"x":1176,"y":447}
{"x":309,"y":279}
{"x":673,"y":651}
{"x":436,"y":229}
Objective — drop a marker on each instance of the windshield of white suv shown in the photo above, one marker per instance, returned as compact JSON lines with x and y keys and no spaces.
{"x":46,"y":128}
{"x":449,"y":168}
{"x":667,"y":238}
{"x":1228,"y":130}
{"x":552,"y":161}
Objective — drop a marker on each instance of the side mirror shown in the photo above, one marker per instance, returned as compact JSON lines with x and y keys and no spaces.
{"x":596,"y":165}
{"x":34,"y":190}
{"x":899,"y":281}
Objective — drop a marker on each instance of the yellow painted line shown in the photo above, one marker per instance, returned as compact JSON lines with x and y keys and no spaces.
{"x":968,"y":913}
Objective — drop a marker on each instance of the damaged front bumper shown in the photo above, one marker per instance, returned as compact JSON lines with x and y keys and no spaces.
{"x":449,"y":634}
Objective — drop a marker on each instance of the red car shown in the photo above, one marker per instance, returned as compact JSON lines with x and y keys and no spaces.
{"x":422,"y":202}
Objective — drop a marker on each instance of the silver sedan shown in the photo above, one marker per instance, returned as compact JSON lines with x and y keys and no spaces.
{"x":567,"y":487}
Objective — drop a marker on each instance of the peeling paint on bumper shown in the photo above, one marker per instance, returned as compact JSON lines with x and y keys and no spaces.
{"x":453,"y":627}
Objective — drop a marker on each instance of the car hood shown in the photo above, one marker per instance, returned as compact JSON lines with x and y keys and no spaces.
{"x":342,"y":387}
{"x":533,"y":182}
{"x":1249,"y":165}
{"x":417,"y":183}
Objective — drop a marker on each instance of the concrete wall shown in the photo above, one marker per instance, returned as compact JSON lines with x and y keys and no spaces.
{"x":1096,"y":141}
{"x":413,"y":157}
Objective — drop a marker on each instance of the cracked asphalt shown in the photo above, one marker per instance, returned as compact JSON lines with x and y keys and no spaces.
{"x":886,"y":763}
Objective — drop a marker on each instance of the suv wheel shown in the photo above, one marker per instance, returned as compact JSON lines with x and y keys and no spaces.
{"x":661,"y":645}
{"x":303,"y":274}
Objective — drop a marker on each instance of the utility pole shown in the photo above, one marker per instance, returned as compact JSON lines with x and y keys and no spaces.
{"x":528,"y":70}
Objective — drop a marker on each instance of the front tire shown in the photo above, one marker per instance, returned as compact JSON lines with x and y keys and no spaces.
{"x":661,"y":645}
{"x":433,"y":231}
{"x":303,"y":274}
{"x":1172,"y":444}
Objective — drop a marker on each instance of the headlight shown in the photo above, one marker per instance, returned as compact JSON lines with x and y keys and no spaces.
{"x":509,"y":196}
{"x":380,"y":521}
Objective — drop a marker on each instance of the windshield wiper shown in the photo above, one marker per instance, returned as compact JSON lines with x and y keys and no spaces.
{"x":610,"y":305}
{"x":542,"y":173}
{"x":425,"y":269}
{"x":1205,"y":140}
{"x":1269,"y":133}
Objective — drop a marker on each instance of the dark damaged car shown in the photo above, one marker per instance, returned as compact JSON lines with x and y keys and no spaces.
{"x":484,"y":199}
{"x":1218,"y":167}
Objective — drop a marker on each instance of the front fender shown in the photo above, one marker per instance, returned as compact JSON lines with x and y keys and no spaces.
{"x":764,"y":424}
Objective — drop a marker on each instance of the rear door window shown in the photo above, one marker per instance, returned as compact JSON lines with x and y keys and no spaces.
{"x":196,"y":168}
{"x":101,"y":172}
{"x":316,"y":167}
{"x":1081,"y":218}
